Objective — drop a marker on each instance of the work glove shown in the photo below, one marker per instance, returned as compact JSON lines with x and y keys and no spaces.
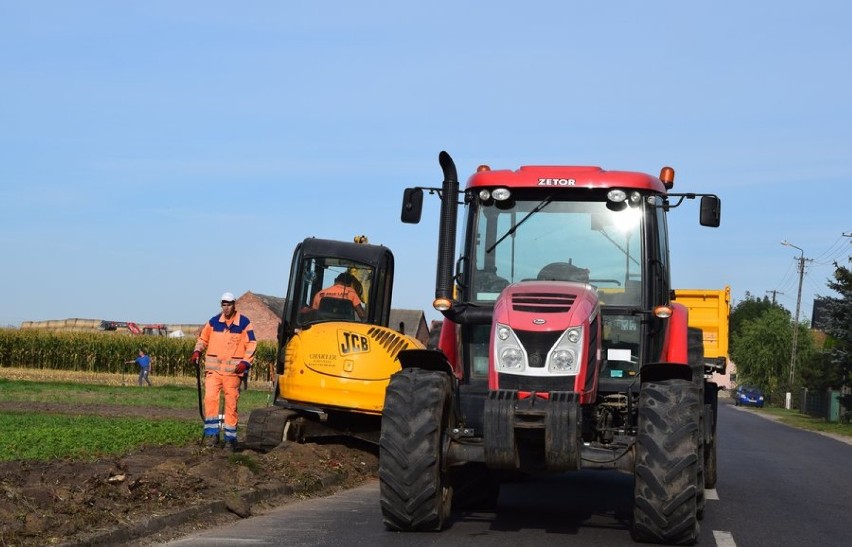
{"x":242,"y":368}
{"x":196,"y":356}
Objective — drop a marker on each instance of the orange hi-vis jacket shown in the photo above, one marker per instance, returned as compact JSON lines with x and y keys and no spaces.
{"x":227,"y":342}
{"x":337,"y":291}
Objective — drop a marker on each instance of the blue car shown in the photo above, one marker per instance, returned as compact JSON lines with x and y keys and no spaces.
{"x":748,"y":396}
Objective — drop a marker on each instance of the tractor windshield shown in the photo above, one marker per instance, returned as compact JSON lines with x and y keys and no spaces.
{"x":536,"y":237}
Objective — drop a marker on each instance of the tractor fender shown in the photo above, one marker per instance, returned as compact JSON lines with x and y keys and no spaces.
{"x":675,"y":349}
{"x":657,"y":372}
{"x":426,"y":359}
{"x":674,"y":362}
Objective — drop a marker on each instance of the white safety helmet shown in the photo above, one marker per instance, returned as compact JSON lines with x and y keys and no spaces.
{"x":228,"y":297}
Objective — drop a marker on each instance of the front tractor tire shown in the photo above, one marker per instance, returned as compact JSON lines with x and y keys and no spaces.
{"x":668,"y":453}
{"x":415,"y":492}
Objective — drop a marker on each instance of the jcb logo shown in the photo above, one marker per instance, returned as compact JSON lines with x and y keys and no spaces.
{"x":352,"y":342}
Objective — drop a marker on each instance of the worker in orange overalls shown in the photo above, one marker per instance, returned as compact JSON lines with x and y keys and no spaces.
{"x":343,"y":288}
{"x":230,"y":344}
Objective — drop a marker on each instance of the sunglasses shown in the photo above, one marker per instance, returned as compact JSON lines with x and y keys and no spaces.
{"x":224,"y":303}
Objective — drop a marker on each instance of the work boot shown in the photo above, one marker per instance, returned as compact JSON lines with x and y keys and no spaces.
{"x":230,"y":446}
{"x":210,"y":441}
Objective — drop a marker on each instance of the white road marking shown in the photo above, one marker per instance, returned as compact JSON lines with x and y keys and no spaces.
{"x":711,"y":494}
{"x":724,"y":539}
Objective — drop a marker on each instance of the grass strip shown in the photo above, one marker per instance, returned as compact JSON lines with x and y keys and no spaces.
{"x":803,"y":421}
{"x":41,"y":437}
{"x":25,"y":391}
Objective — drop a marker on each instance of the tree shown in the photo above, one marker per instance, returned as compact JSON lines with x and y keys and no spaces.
{"x":761,"y":349}
{"x":839,"y":329}
{"x":749,"y":309}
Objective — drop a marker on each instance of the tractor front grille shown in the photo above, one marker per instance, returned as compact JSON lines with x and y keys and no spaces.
{"x":542,"y":302}
{"x":539,"y":384}
{"x":537,"y":345}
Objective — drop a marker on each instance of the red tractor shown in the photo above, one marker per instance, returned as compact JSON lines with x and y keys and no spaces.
{"x":561,"y":349}
{"x":157,"y":329}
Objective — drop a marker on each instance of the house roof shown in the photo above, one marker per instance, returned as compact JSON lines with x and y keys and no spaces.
{"x":410,"y":318}
{"x":274,"y":303}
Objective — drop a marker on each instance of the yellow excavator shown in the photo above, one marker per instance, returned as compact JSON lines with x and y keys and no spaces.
{"x":336,"y":349}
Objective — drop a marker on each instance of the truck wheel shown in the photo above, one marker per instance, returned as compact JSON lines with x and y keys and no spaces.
{"x":711,"y":410}
{"x":267,"y":427}
{"x":415,"y":492}
{"x":665,"y":497}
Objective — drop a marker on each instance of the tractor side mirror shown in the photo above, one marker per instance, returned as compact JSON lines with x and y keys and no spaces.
{"x":711,"y":211}
{"x":412,"y":205}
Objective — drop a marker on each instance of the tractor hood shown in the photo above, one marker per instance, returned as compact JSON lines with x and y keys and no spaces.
{"x":546,"y":337}
{"x":545,"y":306}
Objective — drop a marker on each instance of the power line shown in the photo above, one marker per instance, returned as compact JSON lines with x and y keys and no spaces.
{"x":802,"y":260}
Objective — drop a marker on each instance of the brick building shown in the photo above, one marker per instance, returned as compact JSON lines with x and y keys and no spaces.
{"x":413,"y":323}
{"x":265,"y":313}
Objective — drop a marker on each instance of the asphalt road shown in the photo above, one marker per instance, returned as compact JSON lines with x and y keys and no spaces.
{"x":777,"y":486}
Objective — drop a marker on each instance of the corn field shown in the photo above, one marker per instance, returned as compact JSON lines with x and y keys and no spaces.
{"x":105,"y":352}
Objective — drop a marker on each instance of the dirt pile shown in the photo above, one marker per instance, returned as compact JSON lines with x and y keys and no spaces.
{"x":72,"y":502}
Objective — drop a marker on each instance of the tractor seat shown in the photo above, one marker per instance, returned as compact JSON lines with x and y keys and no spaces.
{"x":563,"y":271}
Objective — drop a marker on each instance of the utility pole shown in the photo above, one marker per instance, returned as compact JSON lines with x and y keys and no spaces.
{"x":801,"y":260}
{"x":773,"y":294}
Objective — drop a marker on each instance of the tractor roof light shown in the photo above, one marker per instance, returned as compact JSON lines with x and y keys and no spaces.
{"x":634,"y":199}
{"x":616,"y":195}
{"x":484,"y":194}
{"x":501,"y":194}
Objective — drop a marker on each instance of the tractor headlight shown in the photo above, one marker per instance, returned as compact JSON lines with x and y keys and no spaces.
{"x":562,"y":360}
{"x":567,"y":352}
{"x":511,"y":358}
{"x":508,"y":351}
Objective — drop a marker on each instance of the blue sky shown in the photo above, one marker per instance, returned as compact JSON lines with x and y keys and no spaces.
{"x":155,"y":154}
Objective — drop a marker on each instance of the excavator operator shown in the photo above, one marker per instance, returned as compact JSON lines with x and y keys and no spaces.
{"x":343,"y":288}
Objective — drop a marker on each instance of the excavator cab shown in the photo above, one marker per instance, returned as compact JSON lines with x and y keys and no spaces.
{"x":337,"y":281}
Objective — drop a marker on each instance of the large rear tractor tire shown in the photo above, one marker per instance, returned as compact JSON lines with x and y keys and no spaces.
{"x":711,"y":411}
{"x":415,"y":492}
{"x":695,"y":357}
{"x":666,"y":496}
